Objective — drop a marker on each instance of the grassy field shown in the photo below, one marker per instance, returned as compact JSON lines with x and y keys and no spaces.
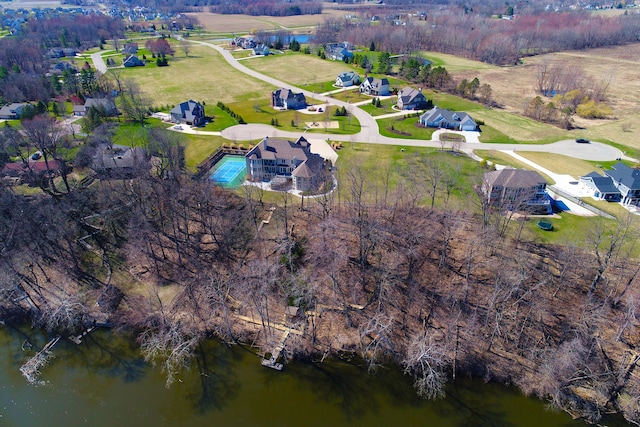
{"x":401,"y":127}
{"x":352,"y":95}
{"x":203,"y":76}
{"x":514,"y":87}
{"x":260,"y":111}
{"x":198,"y":148}
{"x":386,"y":107}
{"x":380,"y":161}
{"x":299,"y":69}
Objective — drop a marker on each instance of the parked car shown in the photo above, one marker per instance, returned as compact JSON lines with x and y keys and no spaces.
{"x":582,"y":141}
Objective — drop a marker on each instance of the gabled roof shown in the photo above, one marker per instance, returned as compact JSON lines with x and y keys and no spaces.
{"x":625,"y":175}
{"x":450,"y":116}
{"x":376,"y":83}
{"x":188,"y":110}
{"x":514,"y":178}
{"x":604,"y":184}
{"x":106,"y":103}
{"x":408,"y":94}
{"x":12,"y":109}
{"x":347,"y":76}
{"x":276,"y":148}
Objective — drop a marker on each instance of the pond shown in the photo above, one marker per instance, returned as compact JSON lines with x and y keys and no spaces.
{"x":105,"y":382}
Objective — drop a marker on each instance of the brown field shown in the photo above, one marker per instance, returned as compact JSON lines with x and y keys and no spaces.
{"x":238,"y":23}
{"x":298,"y":69}
{"x":514,"y":87}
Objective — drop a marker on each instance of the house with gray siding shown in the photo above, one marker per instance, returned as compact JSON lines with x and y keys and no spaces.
{"x":411,"y":99}
{"x":441,"y":118}
{"x":627,"y":181}
{"x":287,"y":99}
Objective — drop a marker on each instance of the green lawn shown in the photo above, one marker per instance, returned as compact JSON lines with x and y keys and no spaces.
{"x":404,"y":127}
{"x":204,"y":75}
{"x":386,"y":107}
{"x":221,"y":119}
{"x":352,"y":96}
{"x":384,"y":164}
{"x":198,"y":148}
{"x":260,"y":111}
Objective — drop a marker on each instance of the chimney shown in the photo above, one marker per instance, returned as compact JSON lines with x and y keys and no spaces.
{"x":264,"y":142}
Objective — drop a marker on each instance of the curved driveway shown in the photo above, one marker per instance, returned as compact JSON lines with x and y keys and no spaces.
{"x":370,"y":133}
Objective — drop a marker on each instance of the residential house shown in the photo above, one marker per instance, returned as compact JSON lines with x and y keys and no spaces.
{"x":101,"y":103}
{"x":348,"y":78}
{"x":118,"y":161}
{"x":602,"y":187}
{"x":12,"y":111}
{"x":261,"y":49}
{"x":627,"y":181}
{"x":244,"y":42}
{"x":31,"y":172}
{"x":61,"y":67}
{"x":130,"y":48}
{"x":338,"y":53}
{"x":188,"y":112}
{"x":441,"y":118}
{"x":133,"y":61}
{"x":516,"y":189}
{"x":284,"y":159}
{"x":411,"y":99}
{"x":375,"y":87}
{"x":287,"y":99}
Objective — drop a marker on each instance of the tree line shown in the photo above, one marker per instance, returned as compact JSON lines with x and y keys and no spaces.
{"x":495,"y":41}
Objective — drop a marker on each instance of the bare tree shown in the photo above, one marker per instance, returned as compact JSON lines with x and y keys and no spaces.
{"x":426,"y":361}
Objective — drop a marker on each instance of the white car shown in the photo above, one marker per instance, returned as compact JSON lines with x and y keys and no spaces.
{"x":178,"y":127}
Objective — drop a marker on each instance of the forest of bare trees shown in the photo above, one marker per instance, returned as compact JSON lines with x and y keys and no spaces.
{"x":374,"y":269}
{"x":487,"y":39}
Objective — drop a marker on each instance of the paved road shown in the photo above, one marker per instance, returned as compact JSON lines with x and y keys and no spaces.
{"x":98,"y":62}
{"x":371,"y":134}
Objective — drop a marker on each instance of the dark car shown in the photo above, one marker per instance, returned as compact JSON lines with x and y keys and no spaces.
{"x":582,"y":141}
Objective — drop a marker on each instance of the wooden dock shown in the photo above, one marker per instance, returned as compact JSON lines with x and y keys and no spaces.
{"x":275,"y":354}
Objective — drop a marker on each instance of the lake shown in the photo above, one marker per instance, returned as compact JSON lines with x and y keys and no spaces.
{"x":105,"y":382}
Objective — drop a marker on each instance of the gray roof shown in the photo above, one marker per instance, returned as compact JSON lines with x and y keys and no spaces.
{"x":287,"y":94}
{"x":514,"y":178}
{"x":376,"y":83}
{"x":449,"y":116}
{"x":106,"y":103}
{"x":347,"y":76}
{"x":625,"y":175}
{"x":309,"y":168}
{"x":116,"y":157}
{"x":188,"y":110}
{"x":408,"y":94}
{"x":604,"y":184}
{"x":11,"y":109}
{"x":276,"y":148}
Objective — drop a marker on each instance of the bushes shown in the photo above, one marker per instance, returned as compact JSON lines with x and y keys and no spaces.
{"x":223,"y":107}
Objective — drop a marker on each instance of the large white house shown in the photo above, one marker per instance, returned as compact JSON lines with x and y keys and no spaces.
{"x":348,"y":78}
{"x":274,"y":157}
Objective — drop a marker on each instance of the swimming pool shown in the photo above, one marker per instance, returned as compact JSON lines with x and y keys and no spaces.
{"x":229,"y":172}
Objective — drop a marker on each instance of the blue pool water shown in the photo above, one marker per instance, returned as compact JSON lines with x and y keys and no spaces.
{"x":229,"y":172}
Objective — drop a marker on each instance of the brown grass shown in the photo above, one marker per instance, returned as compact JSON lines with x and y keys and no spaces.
{"x":298,"y":69}
{"x":514,"y":87}
{"x":244,"y":23}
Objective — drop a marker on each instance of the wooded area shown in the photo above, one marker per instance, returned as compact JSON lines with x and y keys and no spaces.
{"x":372,"y":272}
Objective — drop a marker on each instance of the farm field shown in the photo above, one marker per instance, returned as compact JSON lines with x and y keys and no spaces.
{"x":244,"y":23}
